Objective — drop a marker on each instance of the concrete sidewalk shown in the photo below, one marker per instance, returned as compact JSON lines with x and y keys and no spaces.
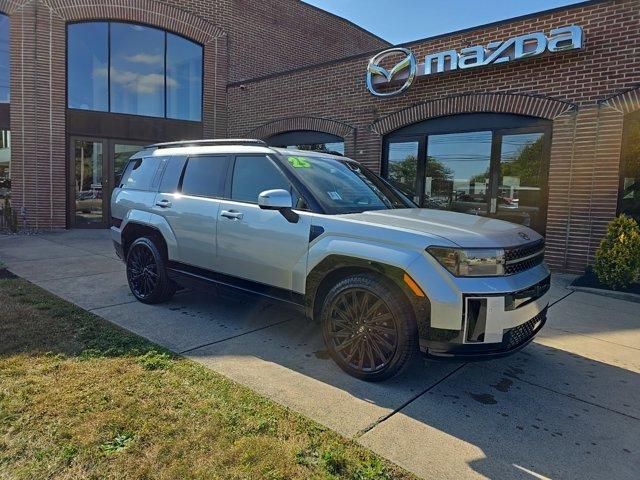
{"x":568,"y":406}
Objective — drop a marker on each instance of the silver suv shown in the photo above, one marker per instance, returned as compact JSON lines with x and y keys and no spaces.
{"x":383,"y":277}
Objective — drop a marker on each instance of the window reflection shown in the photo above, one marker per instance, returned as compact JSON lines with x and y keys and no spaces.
{"x":87,"y":64}
{"x":519,"y":196}
{"x":630,"y":167}
{"x":335,"y":148}
{"x":457,"y":175}
{"x":137,"y":70}
{"x":88,"y":181}
{"x":403,"y":166}
{"x":5,"y":164}
{"x":4,"y":59}
{"x":184,"y":78}
{"x":150,"y":71}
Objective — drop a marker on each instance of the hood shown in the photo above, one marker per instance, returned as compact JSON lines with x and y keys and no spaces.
{"x":468,"y":231}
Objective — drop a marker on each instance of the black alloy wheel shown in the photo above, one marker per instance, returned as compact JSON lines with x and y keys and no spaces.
{"x":368,"y":327}
{"x":146,"y":272}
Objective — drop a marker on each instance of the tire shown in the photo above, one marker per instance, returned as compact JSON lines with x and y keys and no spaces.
{"x":368,"y":327}
{"x":147,"y":273}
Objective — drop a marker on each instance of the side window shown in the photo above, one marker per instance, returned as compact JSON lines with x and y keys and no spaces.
{"x":172,"y":173}
{"x":253,"y":175}
{"x":205,"y":176}
{"x":140,"y":173}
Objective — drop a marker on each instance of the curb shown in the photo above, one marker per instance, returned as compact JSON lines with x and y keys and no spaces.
{"x":629,"y":297}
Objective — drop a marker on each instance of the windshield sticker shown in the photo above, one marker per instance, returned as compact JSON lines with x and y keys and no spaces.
{"x":299,"y":162}
{"x":334,"y":196}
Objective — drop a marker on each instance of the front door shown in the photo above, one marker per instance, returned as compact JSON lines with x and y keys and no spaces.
{"x":260,"y":245}
{"x":96,"y":165}
{"x":88,"y":201}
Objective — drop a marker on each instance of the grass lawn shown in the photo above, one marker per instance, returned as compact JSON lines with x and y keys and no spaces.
{"x":81,"y":398}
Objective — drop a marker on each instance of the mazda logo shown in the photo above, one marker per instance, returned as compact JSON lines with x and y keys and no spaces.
{"x":375,"y":70}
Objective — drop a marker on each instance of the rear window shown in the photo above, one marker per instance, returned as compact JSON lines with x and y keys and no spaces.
{"x":205,"y":176}
{"x":140,"y":173}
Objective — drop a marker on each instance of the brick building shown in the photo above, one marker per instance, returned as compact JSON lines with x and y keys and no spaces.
{"x":550,"y":140}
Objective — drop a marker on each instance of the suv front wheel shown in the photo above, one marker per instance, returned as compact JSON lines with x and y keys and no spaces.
{"x":368,"y":327}
{"x":146,"y":272}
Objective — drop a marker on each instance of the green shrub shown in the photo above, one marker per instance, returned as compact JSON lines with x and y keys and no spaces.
{"x":618,"y":257}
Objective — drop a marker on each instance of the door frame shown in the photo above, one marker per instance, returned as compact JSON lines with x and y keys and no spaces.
{"x":108,"y":177}
{"x":71,"y":162}
{"x":421,"y":164}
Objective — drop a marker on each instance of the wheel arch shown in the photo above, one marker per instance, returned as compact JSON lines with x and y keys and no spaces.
{"x":135,"y":230}
{"x":325,"y":274}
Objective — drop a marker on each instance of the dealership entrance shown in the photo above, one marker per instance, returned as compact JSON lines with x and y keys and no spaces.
{"x":492,"y":165}
{"x":96,"y":165}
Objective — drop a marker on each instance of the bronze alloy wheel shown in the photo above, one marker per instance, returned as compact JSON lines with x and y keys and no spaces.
{"x":368,"y":326}
{"x":362,"y":330}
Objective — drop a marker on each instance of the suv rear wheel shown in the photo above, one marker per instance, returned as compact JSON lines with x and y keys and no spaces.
{"x":368,"y":327}
{"x":146,"y":272}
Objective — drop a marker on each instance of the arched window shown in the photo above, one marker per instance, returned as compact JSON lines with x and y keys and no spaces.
{"x":478,"y":163}
{"x":309,"y":140}
{"x":133,"y":69}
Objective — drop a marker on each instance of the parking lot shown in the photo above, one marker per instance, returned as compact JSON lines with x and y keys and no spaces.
{"x":567,"y":406}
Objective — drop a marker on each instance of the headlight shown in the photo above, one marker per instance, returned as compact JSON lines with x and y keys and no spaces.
{"x":470,"y":262}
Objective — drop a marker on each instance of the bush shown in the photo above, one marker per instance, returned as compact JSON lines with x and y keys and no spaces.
{"x":618,"y":257}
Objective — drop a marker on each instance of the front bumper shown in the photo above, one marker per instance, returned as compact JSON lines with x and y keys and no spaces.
{"x":513,"y":339}
{"x":474,"y":318}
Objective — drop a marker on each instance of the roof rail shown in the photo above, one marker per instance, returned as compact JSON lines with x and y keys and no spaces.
{"x":211,"y":142}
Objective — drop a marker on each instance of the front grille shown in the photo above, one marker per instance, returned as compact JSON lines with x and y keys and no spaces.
{"x":523,"y":333}
{"x":519,"y":259}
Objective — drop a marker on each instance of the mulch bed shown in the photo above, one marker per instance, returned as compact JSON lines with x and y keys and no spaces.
{"x":590,"y":280}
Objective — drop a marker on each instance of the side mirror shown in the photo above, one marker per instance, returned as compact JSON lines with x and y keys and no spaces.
{"x":278,"y":200}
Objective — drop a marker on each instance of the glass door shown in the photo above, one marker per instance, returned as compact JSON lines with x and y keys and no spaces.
{"x":88,"y":200}
{"x":403,"y":166}
{"x":120,"y":152}
{"x":458,"y":172}
{"x":97,"y":165}
{"x":498,"y":172}
{"x":520,"y":183}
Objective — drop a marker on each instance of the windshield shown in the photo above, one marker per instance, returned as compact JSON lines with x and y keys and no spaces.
{"x":343,"y":186}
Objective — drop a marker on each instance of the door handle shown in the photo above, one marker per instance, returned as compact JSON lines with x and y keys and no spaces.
{"x":232,"y":214}
{"x":164,"y":203}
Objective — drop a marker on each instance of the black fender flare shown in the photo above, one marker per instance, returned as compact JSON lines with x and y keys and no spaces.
{"x":319,"y":281}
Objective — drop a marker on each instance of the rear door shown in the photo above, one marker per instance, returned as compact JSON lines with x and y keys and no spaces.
{"x":189,"y":199}
{"x":260,"y":245}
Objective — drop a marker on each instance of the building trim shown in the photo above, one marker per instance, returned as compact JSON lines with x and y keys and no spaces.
{"x":624,"y":102}
{"x":289,"y":124}
{"x":519,"y":104}
{"x":145,"y":12}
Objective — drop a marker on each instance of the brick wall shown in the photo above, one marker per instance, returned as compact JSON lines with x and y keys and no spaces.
{"x":275,"y":35}
{"x":258,"y":37}
{"x":586,"y":137}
